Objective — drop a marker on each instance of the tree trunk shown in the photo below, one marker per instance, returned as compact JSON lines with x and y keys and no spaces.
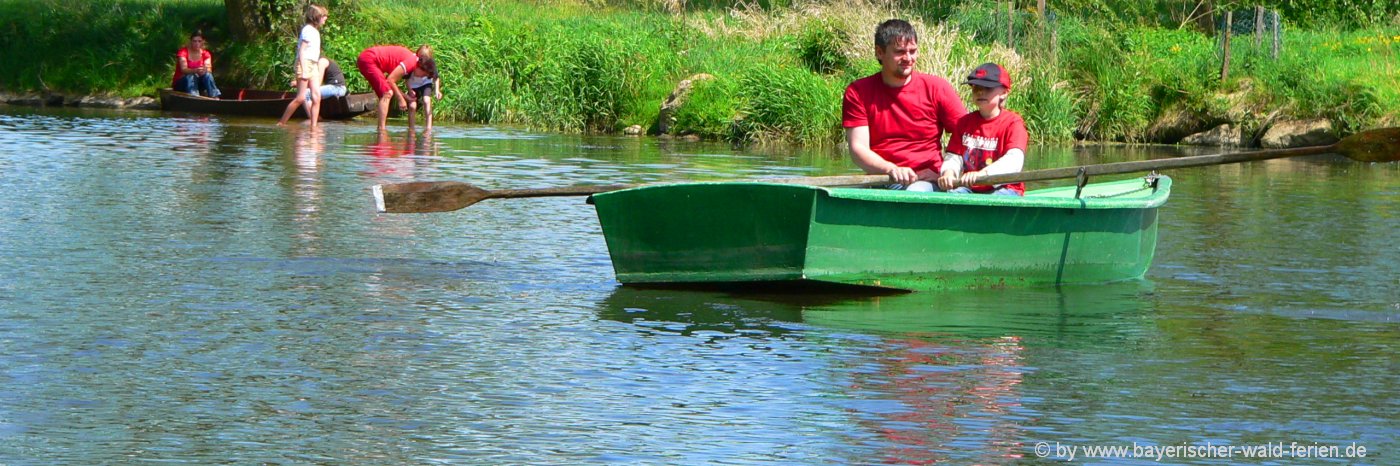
{"x":243,"y":19}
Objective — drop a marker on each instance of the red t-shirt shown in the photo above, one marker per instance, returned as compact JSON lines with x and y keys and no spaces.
{"x":387,"y":57}
{"x":981,"y":141}
{"x":907,"y":122}
{"x":185,"y":54}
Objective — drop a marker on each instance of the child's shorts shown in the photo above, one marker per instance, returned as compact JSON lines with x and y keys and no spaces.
{"x":308,"y":69}
{"x":423,"y":91}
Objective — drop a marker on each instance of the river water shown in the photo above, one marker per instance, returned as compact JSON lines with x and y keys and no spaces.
{"x":200,"y":290}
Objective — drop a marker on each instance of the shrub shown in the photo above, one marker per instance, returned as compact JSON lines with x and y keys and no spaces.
{"x":821,"y":46}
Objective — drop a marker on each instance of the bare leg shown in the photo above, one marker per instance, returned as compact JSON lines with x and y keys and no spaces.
{"x":384,"y":109}
{"x":412,"y":111}
{"x":428,"y":113}
{"x":314,"y":87}
{"x":296,"y":102}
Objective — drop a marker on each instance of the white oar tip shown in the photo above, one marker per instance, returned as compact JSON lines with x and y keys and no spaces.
{"x":378,"y":198}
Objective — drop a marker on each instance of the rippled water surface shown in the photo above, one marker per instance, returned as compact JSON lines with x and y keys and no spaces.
{"x":198,"y":290}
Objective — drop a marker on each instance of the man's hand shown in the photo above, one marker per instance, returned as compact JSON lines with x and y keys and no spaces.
{"x":902,"y":175}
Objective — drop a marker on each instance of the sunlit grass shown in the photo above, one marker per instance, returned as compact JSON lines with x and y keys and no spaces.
{"x":593,"y":65}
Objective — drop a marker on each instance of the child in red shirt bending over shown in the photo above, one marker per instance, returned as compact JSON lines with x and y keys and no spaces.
{"x":989,"y":141}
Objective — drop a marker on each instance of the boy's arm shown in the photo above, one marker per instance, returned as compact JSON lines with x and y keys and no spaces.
{"x":1017,"y":140}
{"x":951,"y":170}
{"x":437,"y":89}
{"x":1011,"y":162}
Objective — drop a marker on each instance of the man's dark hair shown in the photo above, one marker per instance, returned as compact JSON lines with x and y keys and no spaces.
{"x":894,"y":30}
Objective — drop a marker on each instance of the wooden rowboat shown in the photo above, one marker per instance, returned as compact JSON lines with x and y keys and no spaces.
{"x":734,"y":233}
{"x":250,"y":102}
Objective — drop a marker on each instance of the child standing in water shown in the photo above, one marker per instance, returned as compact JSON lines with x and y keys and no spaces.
{"x":308,"y":66}
{"x":423,"y":87}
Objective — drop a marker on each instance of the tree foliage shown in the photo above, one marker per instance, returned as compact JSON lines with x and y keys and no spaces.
{"x":253,"y":19}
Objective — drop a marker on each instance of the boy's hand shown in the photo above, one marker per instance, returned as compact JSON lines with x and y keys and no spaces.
{"x":948,"y":181}
{"x":438,"y":95}
{"x":970,"y":178}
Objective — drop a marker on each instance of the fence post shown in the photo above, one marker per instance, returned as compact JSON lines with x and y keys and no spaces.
{"x":1225,"y":45}
{"x":1258,"y":27}
{"x":1010,"y":23}
{"x":1276,"y":33}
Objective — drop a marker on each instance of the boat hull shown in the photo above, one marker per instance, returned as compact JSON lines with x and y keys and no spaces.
{"x":757,"y":232}
{"x":250,"y":102}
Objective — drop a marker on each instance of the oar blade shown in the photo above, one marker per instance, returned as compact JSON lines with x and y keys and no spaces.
{"x":426,"y":196}
{"x":1377,"y":145}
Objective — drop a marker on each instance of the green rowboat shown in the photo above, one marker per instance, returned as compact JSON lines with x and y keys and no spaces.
{"x":758,"y":233}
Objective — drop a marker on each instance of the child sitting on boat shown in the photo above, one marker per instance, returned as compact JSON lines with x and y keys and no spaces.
{"x":989,"y":141}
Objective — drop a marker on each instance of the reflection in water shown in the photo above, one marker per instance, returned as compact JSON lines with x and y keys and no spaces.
{"x":932,"y":377}
{"x":390,"y":158}
{"x":308,"y":144}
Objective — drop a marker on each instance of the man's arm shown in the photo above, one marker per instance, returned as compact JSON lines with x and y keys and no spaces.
{"x":858,"y":140}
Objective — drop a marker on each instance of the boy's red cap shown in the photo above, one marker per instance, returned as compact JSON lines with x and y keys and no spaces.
{"x":990,"y":75}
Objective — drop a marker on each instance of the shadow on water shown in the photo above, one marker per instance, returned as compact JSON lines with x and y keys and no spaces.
{"x":1092,"y":312}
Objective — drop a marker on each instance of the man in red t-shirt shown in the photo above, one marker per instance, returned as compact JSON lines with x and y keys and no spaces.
{"x":989,"y":141}
{"x":895,"y":119}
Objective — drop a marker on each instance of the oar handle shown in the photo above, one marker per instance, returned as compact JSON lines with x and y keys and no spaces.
{"x":582,"y":190}
{"x":1151,"y":165}
{"x":842,"y":180}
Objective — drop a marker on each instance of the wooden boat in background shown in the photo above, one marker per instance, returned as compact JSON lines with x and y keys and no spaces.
{"x":750,"y":232}
{"x":251,"y":102}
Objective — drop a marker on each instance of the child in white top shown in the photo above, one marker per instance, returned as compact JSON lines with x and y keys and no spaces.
{"x":308,"y":66}
{"x":423,"y":86}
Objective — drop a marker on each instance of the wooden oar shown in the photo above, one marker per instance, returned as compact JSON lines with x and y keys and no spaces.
{"x":1378,"y":145}
{"x":445,"y":196}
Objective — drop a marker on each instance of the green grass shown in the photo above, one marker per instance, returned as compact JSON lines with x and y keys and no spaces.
{"x":778,"y":71}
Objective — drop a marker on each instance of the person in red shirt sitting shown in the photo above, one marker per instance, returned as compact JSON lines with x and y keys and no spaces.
{"x":895,"y":119}
{"x":989,"y":141}
{"x":194,"y":69}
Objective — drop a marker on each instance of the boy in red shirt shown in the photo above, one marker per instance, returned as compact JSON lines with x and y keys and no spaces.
{"x":989,"y":141}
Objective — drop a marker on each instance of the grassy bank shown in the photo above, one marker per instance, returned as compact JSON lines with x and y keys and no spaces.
{"x":777,"y":72}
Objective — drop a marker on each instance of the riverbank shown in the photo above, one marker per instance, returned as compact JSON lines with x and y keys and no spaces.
{"x":755,"y":75}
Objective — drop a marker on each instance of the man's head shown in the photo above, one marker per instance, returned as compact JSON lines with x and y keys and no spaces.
{"x":896,"y":48}
{"x":894,"y":30}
